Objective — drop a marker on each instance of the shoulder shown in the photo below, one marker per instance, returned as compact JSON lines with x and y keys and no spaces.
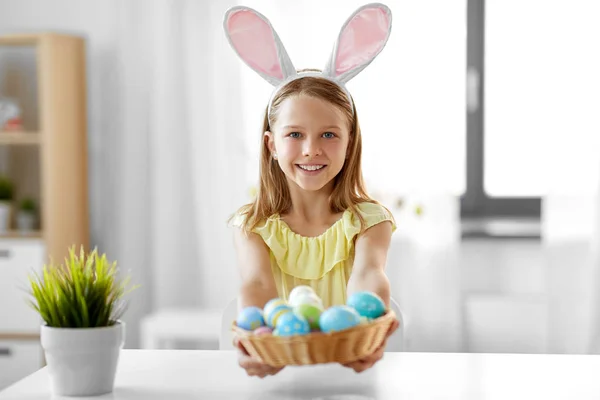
{"x":243,"y":218}
{"x":374,"y":213}
{"x":365,"y":216}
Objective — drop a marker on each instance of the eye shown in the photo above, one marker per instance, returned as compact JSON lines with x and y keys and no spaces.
{"x":294,"y":135}
{"x":329,"y":135}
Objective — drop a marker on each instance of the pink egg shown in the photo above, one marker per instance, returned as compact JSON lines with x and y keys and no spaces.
{"x":263,"y":330}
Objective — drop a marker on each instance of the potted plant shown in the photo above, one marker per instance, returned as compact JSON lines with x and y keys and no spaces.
{"x":26,"y":216}
{"x":81,"y":302}
{"x":6,"y":196}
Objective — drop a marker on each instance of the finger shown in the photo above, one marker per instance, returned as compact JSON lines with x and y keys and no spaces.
{"x":393,"y":327}
{"x":373,"y":357}
{"x":241,"y":347}
{"x":262,"y":371}
{"x":256,"y":372}
{"x":378,"y":355}
{"x":248,"y":362}
{"x":360,"y":366}
{"x":260,"y":374}
{"x":256,"y":368}
{"x":367,"y":362}
{"x":355,"y":364}
{"x":276,"y":370}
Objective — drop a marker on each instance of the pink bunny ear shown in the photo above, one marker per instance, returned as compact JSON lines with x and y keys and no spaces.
{"x":258,"y":45}
{"x":361,"y":39}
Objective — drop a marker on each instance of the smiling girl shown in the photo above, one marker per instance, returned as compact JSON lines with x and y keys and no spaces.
{"x":312,"y":222}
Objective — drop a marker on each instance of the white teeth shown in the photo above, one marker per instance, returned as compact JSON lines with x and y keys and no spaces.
{"x":311,"y":167}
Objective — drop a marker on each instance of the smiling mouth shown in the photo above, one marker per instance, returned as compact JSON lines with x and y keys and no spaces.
{"x":311,"y":167}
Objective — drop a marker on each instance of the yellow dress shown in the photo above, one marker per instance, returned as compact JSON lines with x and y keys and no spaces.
{"x":323,"y":262}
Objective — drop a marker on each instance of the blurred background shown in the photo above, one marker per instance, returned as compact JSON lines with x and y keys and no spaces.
{"x":480,"y":134}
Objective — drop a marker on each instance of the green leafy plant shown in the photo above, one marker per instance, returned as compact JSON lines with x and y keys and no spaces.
{"x":28,"y":205}
{"x":6,"y":189}
{"x":82,"y":293}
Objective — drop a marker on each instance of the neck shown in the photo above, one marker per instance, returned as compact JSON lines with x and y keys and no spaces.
{"x":311,"y":206}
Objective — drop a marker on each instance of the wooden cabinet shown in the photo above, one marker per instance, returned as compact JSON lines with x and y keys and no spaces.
{"x":47,"y":161}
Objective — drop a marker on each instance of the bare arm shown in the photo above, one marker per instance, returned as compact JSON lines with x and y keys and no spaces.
{"x":257,"y":284}
{"x":257,"y":287}
{"x":368,"y":271}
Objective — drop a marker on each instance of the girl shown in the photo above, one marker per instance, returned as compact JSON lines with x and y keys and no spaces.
{"x":312,"y":222}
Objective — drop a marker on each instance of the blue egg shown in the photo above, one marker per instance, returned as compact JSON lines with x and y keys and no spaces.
{"x":367,"y":304}
{"x":276,"y":312}
{"x":250,"y":318}
{"x":338,"y":318}
{"x":291,"y":324}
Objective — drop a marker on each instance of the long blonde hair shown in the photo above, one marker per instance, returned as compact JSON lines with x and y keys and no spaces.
{"x":273,"y":196}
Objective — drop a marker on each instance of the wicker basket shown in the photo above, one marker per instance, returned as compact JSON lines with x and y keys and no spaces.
{"x":317,"y":347}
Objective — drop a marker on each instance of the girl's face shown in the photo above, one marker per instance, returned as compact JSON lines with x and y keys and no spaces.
{"x":309,"y":140}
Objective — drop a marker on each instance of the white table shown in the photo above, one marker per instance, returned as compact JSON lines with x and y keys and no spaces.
{"x":197,"y":374}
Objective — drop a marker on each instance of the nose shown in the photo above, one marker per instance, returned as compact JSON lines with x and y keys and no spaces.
{"x":312,"y":147}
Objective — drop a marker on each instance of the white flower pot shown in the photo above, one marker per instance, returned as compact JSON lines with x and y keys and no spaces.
{"x":25,"y":221}
{"x":82,"y":361}
{"x":5,"y":209}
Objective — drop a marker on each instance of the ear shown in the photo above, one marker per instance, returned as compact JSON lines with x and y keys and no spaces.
{"x":270,"y":141}
{"x":257,"y":44}
{"x":361,"y":39}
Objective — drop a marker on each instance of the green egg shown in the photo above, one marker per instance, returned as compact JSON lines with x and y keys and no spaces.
{"x":311,"y":312}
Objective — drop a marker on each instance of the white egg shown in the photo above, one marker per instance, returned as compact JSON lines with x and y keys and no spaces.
{"x":306,"y":298}
{"x":300,"y":291}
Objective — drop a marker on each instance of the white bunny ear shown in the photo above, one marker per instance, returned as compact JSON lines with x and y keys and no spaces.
{"x":258,"y":45}
{"x":361,"y":39}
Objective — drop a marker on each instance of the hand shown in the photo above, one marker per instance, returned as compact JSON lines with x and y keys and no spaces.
{"x":252,"y":366}
{"x":367,"y":362}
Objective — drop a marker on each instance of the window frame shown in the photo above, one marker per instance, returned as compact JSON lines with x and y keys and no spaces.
{"x":475,"y":203}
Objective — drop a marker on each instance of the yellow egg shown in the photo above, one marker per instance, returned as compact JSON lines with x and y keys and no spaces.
{"x":276,"y":314}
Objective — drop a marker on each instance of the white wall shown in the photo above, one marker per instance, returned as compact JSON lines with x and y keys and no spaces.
{"x":97,"y":22}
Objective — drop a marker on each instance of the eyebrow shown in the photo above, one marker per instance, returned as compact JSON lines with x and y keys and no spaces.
{"x":301,"y":127}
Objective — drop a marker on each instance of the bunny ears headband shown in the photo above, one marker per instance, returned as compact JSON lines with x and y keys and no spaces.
{"x":361,"y":39}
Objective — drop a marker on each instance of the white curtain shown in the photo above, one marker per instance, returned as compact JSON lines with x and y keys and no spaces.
{"x":177,"y":159}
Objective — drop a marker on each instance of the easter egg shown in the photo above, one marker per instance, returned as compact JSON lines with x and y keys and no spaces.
{"x":338,"y":318}
{"x":363,"y":320}
{"x":291,"y":324}
{"x":263,"y":330}
{"x":306,"y":298}
{"x":275,"y":313}
{"x":271,"y":304}
{"x":299,"y":290}
{"x":311,"y":312}
{"x":367,"y":304}
{"x":250,"y":318}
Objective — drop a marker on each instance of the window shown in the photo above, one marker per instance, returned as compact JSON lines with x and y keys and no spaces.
{"x":534,"y":91}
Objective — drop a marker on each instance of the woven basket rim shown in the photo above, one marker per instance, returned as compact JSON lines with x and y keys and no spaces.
{"x":288,"y":339}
